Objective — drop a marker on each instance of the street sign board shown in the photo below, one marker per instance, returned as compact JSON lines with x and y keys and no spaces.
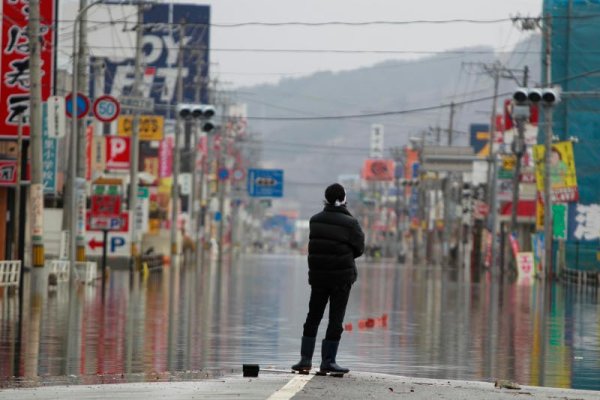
{"x":83,"y":105}
{"x":106,"y":205}
{"x":151,"y":127}
{"x":223,"y":174}
{"x":265,"y":182}
{"x":100,"y":223}
{"x":137,"y":103}
{"x":117,"y":152}
{"x":238,"y":174}
{"x":106,"y":108}
{"x":119,"y":223}
{"x":118,"y":244}
{"x":56,"y":121}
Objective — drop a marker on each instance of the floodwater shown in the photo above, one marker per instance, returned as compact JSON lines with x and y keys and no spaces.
{"x":425,"y":321}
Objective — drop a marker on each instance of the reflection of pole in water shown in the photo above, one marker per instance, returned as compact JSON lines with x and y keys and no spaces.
{"x":39,"y":284}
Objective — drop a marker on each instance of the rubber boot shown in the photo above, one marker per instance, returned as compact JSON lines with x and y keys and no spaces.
{"x":329,"y":350}
{"x":306,"y":353}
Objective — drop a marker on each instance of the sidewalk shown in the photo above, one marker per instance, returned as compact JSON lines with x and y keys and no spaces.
{"x":278,"y":385}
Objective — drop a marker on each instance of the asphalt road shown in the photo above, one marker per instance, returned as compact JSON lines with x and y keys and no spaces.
{"x":281,"y":385}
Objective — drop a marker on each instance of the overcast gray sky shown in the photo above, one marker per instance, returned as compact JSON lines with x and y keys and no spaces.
{"x":245,"y":68}
{"x":242,"y":68}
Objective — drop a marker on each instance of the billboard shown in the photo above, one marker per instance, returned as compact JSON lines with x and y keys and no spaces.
{"x":14,"y":62}
{"x":563,"y":178}
{"x":378,"y":170}
{"x":160,"y":48}
{"x":480,"y":139}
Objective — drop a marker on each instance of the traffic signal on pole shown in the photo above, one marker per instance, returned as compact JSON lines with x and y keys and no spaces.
{"x":544,"y":96}
{"x":202,"y":112}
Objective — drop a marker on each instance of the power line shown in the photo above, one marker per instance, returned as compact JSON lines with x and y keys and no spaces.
{"x":348,"y":51}
{"x":377,"y":114}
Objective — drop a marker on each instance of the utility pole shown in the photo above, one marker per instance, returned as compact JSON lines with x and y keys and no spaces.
{"x":17,"y":207}
{"x":35,"y":126}
{"x":79,"y":199}
{"x":196,"y":131}
{"x":397,"y":154}
{"x":135,"y":140}
{"x":548,"y":223}
{"x":518,"y":149}
{"x":222,"y":183}
{"x":492,"y":170}
{"x":176,"y":155}
{"x":451,"y":123}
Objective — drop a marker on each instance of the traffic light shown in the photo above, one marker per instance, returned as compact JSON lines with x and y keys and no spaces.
{"x":544,"y":96}
{"x":202,"y":112}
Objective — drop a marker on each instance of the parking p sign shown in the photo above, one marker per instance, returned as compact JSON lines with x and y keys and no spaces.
{"x":106,"y":108}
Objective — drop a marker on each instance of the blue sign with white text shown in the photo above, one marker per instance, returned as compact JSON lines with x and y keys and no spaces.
{"x":160,"y":56}
{"x":49,"y":152}
{"x":265,"y":182}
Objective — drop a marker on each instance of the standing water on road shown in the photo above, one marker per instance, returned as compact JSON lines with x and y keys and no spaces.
{"x":408,"y":320}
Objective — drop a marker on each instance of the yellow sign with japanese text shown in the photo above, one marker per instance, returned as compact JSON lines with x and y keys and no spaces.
{"x":563,"y":178}
{"x":151,"y":126}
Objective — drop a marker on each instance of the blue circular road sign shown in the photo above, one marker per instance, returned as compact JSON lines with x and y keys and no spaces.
{"x":83,"y":105}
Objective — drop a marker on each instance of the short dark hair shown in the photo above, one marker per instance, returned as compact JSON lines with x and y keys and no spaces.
{"x":334,"y":192}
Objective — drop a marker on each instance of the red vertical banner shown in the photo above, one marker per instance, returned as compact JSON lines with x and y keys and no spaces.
{"x":165,"y":157}
{"x":14,"y":62}
{"x":89,"y":139}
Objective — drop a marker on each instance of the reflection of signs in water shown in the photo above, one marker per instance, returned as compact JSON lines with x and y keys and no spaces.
{"x":265,"y":181}
{"x":379,"y":168}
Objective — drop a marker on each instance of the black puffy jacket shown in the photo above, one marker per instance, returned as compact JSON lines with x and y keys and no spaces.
{"x":335,"y":240}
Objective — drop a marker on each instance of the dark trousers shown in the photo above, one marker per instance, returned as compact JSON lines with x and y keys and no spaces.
{"x":338,"y":300}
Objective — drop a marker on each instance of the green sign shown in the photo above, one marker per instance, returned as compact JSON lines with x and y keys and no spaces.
{"x":107,"y":189}
{"x":559,"y":221}
{"x":143,"y":192}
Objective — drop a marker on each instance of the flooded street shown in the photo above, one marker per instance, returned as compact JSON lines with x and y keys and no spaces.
{"x":409,"y":320}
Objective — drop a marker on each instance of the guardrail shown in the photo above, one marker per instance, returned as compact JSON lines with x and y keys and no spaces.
{"x":10,"y":272}
{"x":60,"y":268}
{"x":85,"y":271}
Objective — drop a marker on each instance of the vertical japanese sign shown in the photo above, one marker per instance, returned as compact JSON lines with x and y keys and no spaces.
{"x":49,"y":151}
{"x":165,"y":157}
{"x":160,"y":55}
{"x":14,"y":62}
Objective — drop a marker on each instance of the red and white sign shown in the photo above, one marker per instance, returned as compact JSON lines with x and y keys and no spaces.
{"x":525,"y":267}
{"x":106,"y":205}
{"x":89,"y":139}
{"x":8,"y":173}
{"x":117,"y":152}
{"x":480,"y":209}
{"x":238,"y":174}
{"x":122,"y":225}
{"x":165,"y":157}
{"x":14,"y":62}
{"x":106,"y":108}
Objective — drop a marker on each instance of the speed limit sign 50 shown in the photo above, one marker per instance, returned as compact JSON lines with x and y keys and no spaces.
{"x":106,"y":108}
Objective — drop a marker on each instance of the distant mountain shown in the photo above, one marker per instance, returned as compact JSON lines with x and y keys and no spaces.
{"x":314,"y":153}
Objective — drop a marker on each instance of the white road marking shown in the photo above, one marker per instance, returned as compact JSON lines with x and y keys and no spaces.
{"x":291,"y":388}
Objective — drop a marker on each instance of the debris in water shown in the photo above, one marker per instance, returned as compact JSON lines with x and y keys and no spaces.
{"x":504,"y":384}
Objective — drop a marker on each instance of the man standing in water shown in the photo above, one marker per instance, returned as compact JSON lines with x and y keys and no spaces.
{"x":335,"y":240}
